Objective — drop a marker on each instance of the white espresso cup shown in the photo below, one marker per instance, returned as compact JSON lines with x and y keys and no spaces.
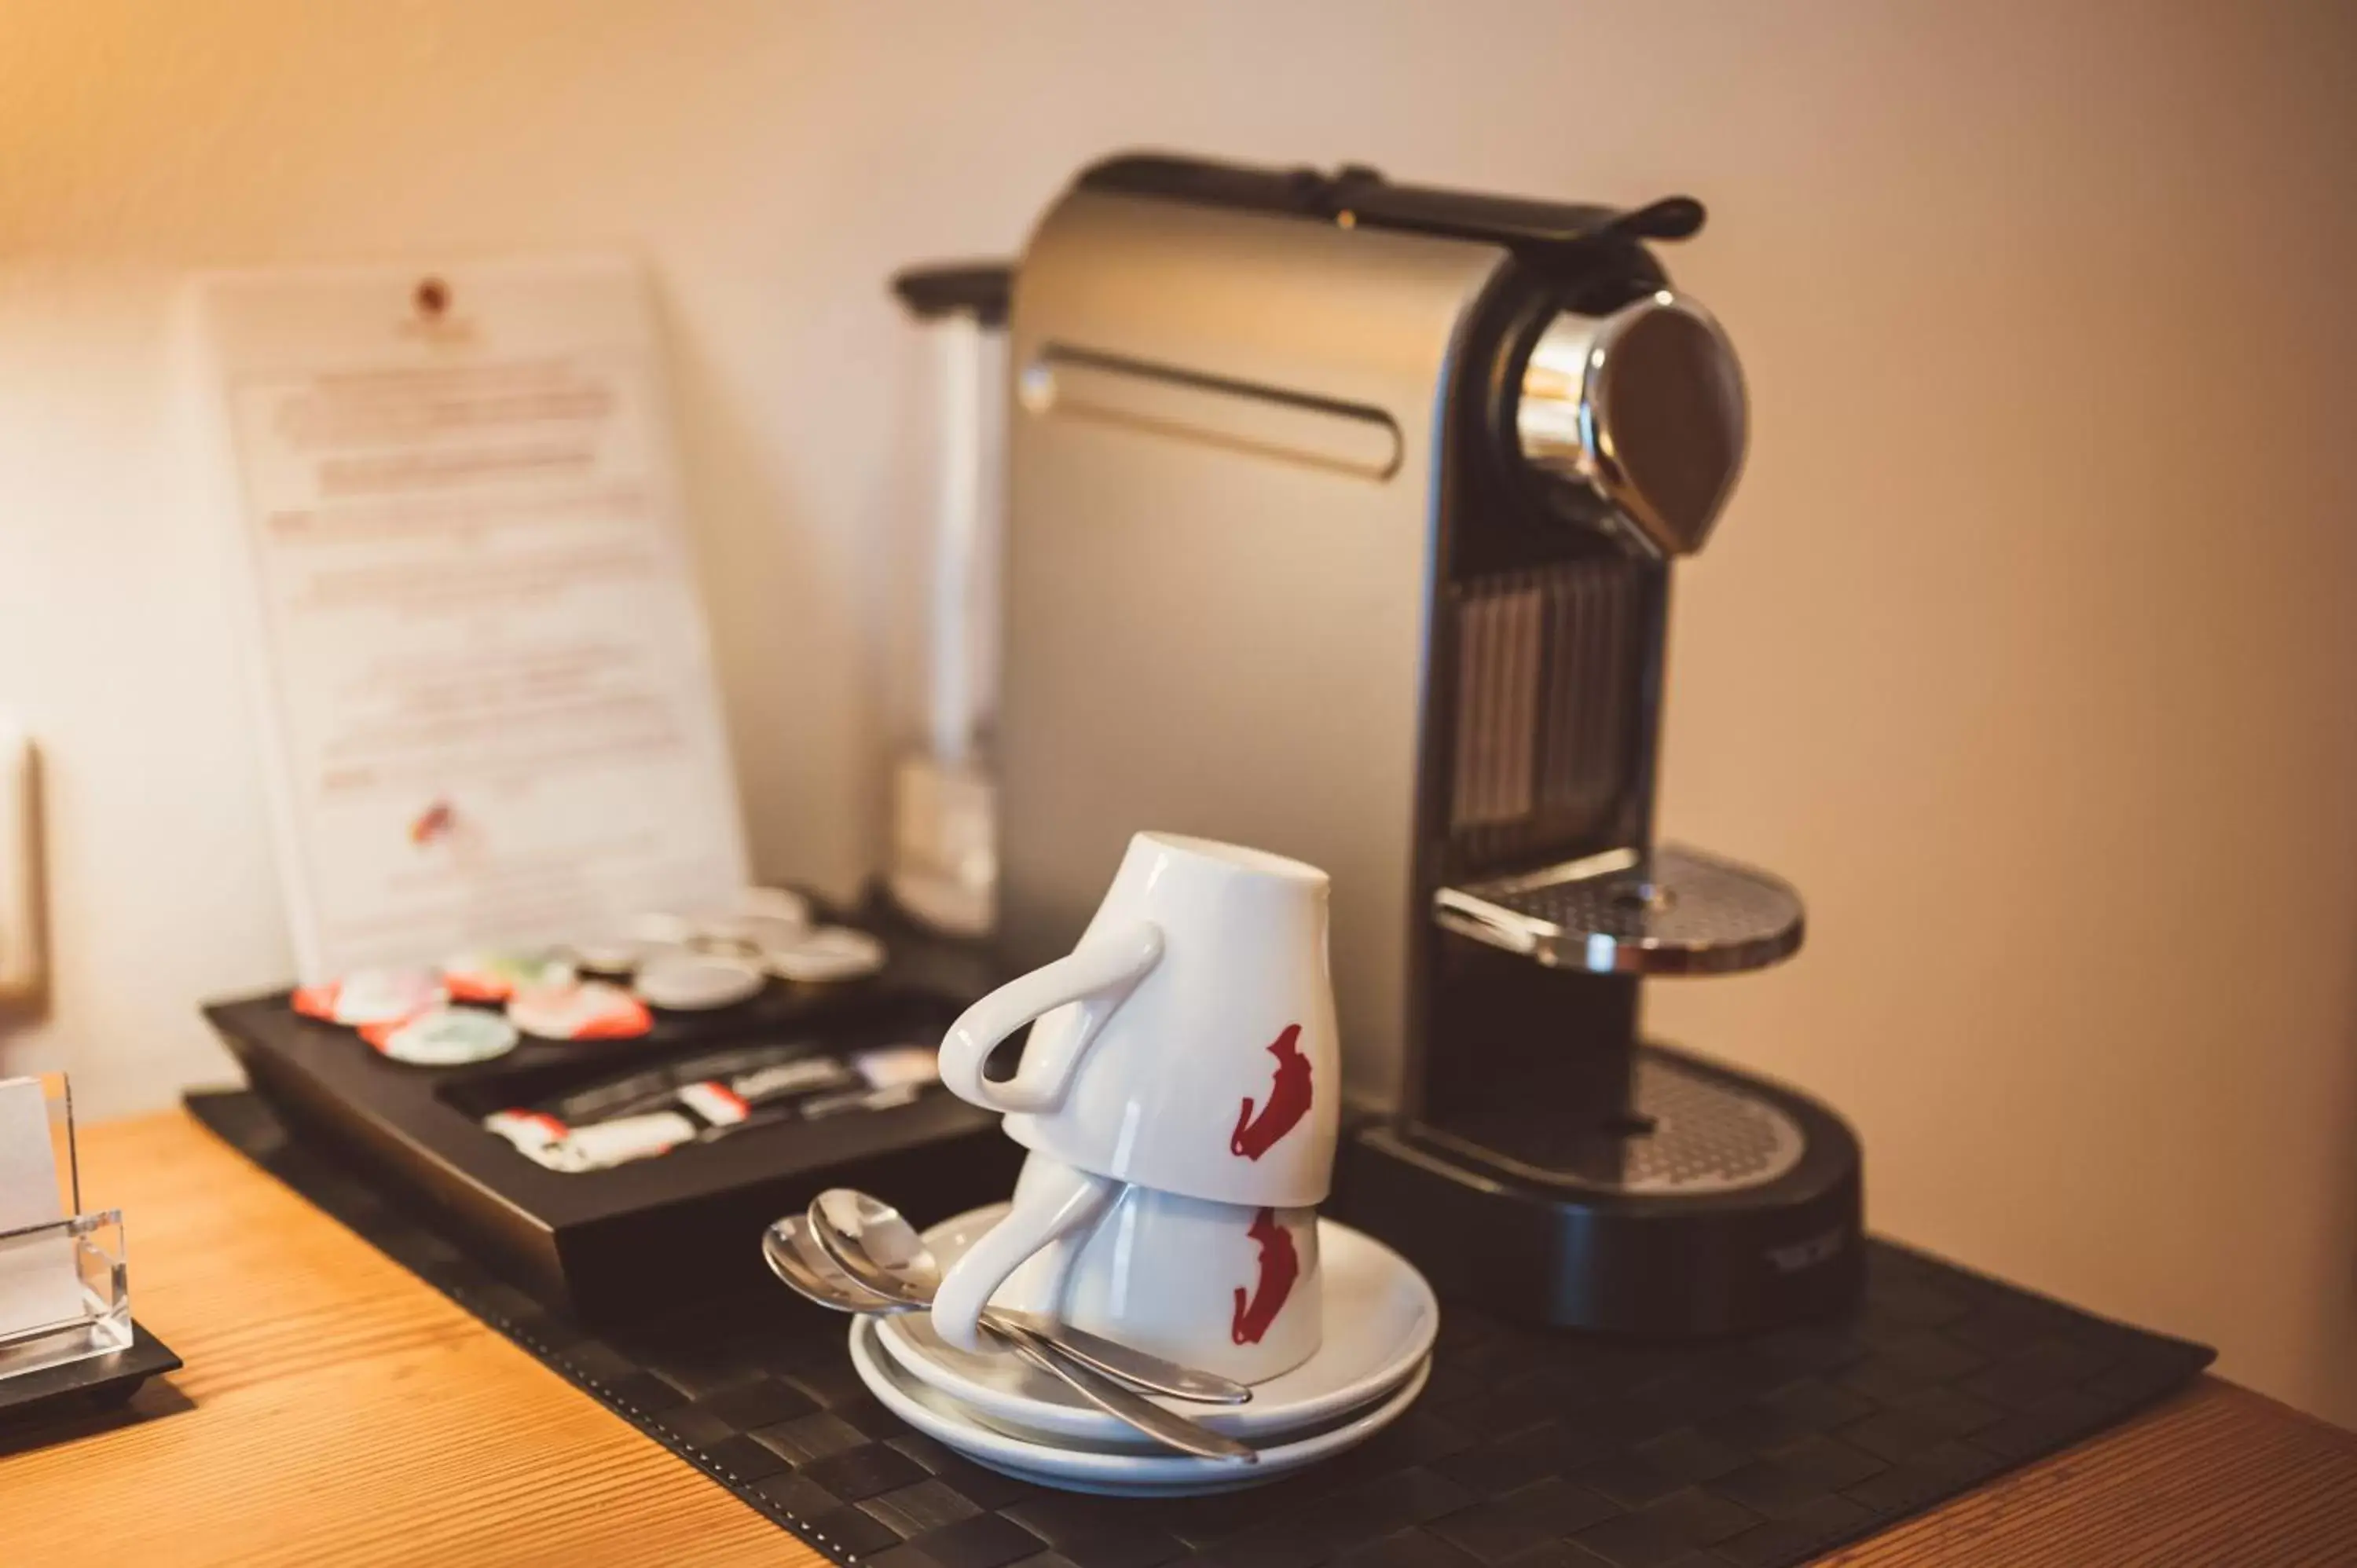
{"x":1229,"y":1288}
{"x":1188,"y":1042}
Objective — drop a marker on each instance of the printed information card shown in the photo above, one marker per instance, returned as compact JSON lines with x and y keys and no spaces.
{"x":38,"y":1287}
{"x":484,"y":670}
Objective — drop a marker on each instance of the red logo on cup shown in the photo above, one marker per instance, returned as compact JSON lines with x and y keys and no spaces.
{"x":1288,"y":1099}
{"x":1280,"y":1265}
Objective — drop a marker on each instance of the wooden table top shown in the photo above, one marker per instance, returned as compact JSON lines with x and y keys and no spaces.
{"x":303,"y":1343}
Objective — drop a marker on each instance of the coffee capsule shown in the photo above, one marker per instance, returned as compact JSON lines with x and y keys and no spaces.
{"x":738,"y":934}
{"x":579,"y":1010}
{"x":611,"y":958}
{"x":493,"y":975}
{"x":828,"y":954}
{"x":444,"y":1036}
{"x":371,"y":996}
{"x":697,"y":982}
{"x":779,"y":906}
{"x":658,"y":929}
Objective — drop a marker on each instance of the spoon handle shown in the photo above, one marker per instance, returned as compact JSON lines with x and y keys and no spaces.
{"x":842,"y":1240}
{"x":1123,"y":1404}
{"x":1125,"y":1364}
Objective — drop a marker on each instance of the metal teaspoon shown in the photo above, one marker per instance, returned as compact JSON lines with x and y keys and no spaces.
{"x":892,"y":1244}
{"x":796,"y":1256}
{"x":833,"y":1213}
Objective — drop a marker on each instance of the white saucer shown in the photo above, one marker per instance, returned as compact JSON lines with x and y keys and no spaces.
{"x":1380,"y":1322}
{"x":1158,"y":1473}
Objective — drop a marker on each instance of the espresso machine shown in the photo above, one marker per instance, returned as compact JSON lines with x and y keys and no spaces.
{"x":1341,"y":520}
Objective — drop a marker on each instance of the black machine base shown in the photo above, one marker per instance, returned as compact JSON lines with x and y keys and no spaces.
{"x":1682,"y":1265}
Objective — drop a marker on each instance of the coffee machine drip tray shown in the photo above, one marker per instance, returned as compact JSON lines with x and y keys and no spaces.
{"x":1707,"y":1202}
{"x":1663,"y":911}
{"x":1680,"y":1134}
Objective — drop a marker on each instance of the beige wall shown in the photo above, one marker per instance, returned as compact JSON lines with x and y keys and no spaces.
{"x":2025,"y":650}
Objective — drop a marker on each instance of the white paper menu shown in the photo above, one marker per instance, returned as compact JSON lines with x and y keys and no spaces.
{"x":482,"y":669}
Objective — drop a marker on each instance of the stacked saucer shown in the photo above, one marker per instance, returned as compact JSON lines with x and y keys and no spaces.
{"x":1371,"y":1361}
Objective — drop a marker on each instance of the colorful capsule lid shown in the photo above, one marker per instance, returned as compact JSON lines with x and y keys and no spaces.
{"x":779,"y":906}
{"x":661,"y":928}
{"x":697,"y":982}
{"x":444,"y":1036}
{"x":613,"y":957}
{"x":371,"y":996}
{"x":579,"y":1010}
{"x":493,"y":974}
{"x":827,"y":954}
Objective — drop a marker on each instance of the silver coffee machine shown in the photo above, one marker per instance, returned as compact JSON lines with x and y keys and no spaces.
{"x":1341,"y":520}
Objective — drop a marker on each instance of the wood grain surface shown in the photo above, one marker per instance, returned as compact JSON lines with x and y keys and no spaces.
{"x":306,"y":1346}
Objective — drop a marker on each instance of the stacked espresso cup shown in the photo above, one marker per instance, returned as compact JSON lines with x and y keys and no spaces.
{"x":1179,"y":1094}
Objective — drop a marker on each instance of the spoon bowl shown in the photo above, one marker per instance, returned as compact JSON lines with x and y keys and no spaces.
{"x":874,"y":1245}
{"x":838,"y":1221}
{"x":795,"y":1257}
{"x":861,"y":1235}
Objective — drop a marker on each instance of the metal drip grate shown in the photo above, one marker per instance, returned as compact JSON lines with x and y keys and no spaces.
{"x":1670,"y":911}
{"x":1683,"y":1134}
{"x":1705,"y":1137}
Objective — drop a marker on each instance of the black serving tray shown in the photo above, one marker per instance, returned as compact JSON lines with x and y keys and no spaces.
{"x":613,"y":1246}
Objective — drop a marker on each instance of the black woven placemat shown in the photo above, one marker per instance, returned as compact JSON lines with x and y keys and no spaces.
{"x":1528,"y":1449}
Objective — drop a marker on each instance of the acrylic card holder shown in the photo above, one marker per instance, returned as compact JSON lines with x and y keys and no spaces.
{"x":64,"y":1290}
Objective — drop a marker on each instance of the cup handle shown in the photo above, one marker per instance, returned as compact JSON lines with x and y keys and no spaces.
{"x":1099,"y":974}
{"x":966,"y":1289}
